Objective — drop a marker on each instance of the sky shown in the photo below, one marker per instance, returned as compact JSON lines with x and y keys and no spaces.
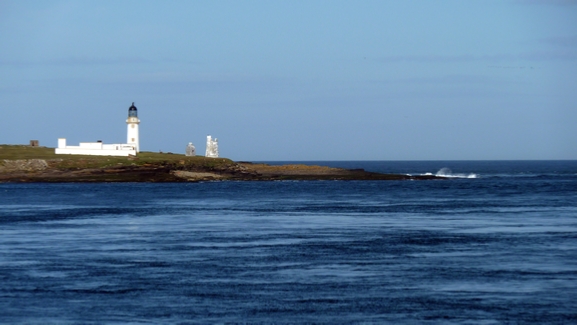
{"x":296,"y":80}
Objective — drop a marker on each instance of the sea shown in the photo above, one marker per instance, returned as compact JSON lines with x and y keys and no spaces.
{"x":494,"y":243}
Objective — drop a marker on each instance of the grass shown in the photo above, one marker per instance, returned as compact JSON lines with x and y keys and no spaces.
{"x":17,"y":152}
{"x":13,"y":152}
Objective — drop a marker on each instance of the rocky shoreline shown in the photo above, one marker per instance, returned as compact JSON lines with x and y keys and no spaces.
{"x":25,"y":164}
{"x":52,"y":170}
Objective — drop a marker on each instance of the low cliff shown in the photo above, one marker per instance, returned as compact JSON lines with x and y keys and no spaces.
{"x":32,"y":164}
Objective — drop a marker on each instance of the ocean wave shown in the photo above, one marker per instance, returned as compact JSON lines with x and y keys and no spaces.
{"x":447,"y":172}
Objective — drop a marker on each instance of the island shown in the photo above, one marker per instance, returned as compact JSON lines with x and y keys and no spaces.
{"x":23,"y":164}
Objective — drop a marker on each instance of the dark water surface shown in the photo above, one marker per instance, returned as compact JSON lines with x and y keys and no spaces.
{"x":495,"y":244}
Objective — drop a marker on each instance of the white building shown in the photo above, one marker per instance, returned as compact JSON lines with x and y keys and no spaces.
{"x":100,"y":149}
{"x":211,"y":147}
{"x":95,"y":149}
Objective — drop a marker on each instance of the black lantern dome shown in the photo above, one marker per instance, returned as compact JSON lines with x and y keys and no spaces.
{"x":132,"y":111}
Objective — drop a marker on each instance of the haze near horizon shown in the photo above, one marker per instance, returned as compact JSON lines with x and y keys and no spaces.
{"x":288,"y":80}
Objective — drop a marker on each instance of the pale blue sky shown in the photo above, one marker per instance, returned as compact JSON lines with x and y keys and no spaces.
{"x":296,"y":80}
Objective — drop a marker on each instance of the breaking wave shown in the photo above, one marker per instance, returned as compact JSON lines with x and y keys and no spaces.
{"x":447,"y":172}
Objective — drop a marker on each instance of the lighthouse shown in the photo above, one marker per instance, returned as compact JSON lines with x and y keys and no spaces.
{"x":130,"y":148}
{"x":132,"y":126}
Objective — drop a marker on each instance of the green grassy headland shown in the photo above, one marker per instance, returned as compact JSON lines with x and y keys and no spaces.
{"x":23,"y":152}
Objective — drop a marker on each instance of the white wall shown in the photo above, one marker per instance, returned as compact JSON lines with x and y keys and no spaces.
{"x":95,"y":149}
{"x":67,"y":151}
{"x":89,"y":145}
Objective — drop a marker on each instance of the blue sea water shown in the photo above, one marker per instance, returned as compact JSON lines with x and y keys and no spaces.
{"x":496,"y":243}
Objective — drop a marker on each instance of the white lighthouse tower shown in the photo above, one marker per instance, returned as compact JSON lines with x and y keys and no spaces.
{"x":132,"y":125}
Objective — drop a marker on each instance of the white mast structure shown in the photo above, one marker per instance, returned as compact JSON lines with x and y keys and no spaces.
{"x":132,"y":126}
{"x":211,"y":147}
{"x":190,"y":150}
